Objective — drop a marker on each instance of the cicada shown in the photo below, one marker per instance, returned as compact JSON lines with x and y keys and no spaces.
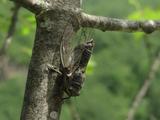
{"x":73,"y":63}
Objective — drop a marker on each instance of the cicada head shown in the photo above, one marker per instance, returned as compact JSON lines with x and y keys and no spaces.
{"x":89,"y":45}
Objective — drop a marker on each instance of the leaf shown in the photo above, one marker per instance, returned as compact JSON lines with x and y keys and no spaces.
{"x":145,"y":14}
{"x":25,"y":31}
{"x":90,"y":67}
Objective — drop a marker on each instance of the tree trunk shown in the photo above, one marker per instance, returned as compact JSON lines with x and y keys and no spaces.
{"x":43,"y":94}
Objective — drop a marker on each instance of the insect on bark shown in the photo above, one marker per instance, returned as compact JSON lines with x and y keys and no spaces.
{"x":73,"y":64}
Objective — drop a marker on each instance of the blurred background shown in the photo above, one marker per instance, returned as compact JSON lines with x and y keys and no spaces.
{"x":122,"y":65}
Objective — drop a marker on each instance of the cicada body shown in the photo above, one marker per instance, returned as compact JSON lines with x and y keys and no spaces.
{"x":73,"y":64}
{"x":76,"y":76}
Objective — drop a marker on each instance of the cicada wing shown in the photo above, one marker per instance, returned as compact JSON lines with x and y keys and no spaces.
{"x":76,"y":56}
{"x":71,"y":57}
{"x":86,"y":34}
{"x":65,"y":47}
{"x":78,"y":49}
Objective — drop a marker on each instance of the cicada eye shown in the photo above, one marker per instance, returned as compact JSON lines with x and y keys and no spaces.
{"x":89,"y":44}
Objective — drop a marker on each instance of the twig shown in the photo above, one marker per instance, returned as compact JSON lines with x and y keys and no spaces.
{"x":7,"y":41}
{"x":73,"y":111}
{"x":113,"y":24}
{"x":11,"y":29}
{"x":153,"y":70}
{"x":34,"y":6}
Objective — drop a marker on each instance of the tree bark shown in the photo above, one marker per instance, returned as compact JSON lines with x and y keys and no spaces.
{"x":43,"y":94}
{"x":113,"y":24}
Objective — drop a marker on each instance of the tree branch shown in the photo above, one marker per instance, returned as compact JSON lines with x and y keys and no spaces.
{"x":151,"y":75}
{"x":112,"y":24}
{"x":35,"y":6}
{"x":7,"y":41}
{"x":73,"y":111}
{"x":11,"y":29}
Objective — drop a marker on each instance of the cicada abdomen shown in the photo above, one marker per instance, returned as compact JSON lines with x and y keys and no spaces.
{"x":76,"y":83}
{"x":86,"y":54}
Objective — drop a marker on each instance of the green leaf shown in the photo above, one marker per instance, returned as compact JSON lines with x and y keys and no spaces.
{"x":25,"y":31}
{"x":145,"y":14}
{"x":90,"y":67}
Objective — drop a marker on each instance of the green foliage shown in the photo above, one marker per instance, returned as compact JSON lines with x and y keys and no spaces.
{"x":90,"y":67}
{"x":147,"y":13}
{"x":117,"y":70}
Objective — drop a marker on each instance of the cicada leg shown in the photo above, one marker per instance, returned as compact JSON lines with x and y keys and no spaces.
{"x":68,"y":93}
{"x":54,"y":68}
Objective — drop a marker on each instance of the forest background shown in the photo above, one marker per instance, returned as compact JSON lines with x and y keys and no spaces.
{"x":118,"y":69}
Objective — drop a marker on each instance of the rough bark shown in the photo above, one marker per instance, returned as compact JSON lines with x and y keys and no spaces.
{"x":43,"y":95}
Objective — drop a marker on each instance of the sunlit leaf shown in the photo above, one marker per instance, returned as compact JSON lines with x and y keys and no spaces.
{"x":25,"y":31}
{"x":90,"y":67}
{"x":145,"y":14}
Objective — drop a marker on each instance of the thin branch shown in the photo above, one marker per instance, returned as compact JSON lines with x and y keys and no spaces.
{"x":112,"y":24}
{"x":11,"y":29}
{"x":7,"y":41}
{"x":73,"y":111}
{"x":151,"y":76}
{"x":35,"y":6}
